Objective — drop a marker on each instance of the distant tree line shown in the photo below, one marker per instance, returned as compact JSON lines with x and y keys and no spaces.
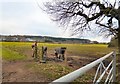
{"x":24,"y":38}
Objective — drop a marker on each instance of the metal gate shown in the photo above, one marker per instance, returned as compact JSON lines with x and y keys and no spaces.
{"x":110,"y":70}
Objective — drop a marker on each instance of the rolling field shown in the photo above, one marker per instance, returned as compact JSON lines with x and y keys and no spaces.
{"x":19,"y":66}
{"x":72,"y":49}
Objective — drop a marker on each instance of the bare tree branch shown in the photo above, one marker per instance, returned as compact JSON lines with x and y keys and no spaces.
{"x":80,"y":13}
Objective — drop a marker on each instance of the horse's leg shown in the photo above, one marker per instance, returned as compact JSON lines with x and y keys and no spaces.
{"x":63,"y":57}
{"x":56,"y":55}
{"x":59,"y":56}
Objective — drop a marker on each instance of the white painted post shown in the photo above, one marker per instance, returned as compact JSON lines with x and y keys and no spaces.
{"x":101,"y":69}
{"x":114,"y":66}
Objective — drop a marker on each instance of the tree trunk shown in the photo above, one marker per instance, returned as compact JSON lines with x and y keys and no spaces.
{"x":118,"y":51}
{"x":119,"y":38}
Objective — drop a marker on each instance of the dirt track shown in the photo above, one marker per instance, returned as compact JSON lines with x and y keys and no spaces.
{"x":16,"y":71}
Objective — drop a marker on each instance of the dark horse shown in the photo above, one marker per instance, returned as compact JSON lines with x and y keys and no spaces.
{"x":60,"y":52}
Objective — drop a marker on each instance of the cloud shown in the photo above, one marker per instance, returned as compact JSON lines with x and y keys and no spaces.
{"x":25,"y":17}
{"x":4,"y":1}
{"x":32,"y":21}
{"x":10,"y":27}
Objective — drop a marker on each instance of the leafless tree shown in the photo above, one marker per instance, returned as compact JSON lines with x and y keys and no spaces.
{"x":79,"y":14}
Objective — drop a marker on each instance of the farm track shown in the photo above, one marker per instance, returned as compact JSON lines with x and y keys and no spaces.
{"x":16,"y":71}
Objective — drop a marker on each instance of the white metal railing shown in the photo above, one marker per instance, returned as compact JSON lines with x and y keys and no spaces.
{"x":110,"y":70}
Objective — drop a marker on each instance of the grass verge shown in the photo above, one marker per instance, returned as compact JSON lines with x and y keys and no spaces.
{"x":11,"y":55}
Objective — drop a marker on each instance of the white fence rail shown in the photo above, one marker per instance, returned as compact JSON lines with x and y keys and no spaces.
{"x":110,"y":70}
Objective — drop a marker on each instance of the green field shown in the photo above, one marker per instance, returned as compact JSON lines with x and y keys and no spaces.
{"x":10,"y":49}
{"x":21,"y":51}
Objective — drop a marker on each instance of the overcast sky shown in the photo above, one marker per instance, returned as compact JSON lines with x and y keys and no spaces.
{"x":24,"y":17}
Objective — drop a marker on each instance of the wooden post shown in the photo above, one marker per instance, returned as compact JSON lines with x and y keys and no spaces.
{"x":43,"y":60}
{"x":36,"y":53}
{"x":65,"y":59}
{"x":114,"y":67}
{"x":42,"y":53}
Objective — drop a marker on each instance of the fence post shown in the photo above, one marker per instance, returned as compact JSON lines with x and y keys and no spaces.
{"x":114,"y":67}
{"x":65,"y":56}
{"x":101,"y":68}
{"x":36,"y":52}
{"x":43,"y":54}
